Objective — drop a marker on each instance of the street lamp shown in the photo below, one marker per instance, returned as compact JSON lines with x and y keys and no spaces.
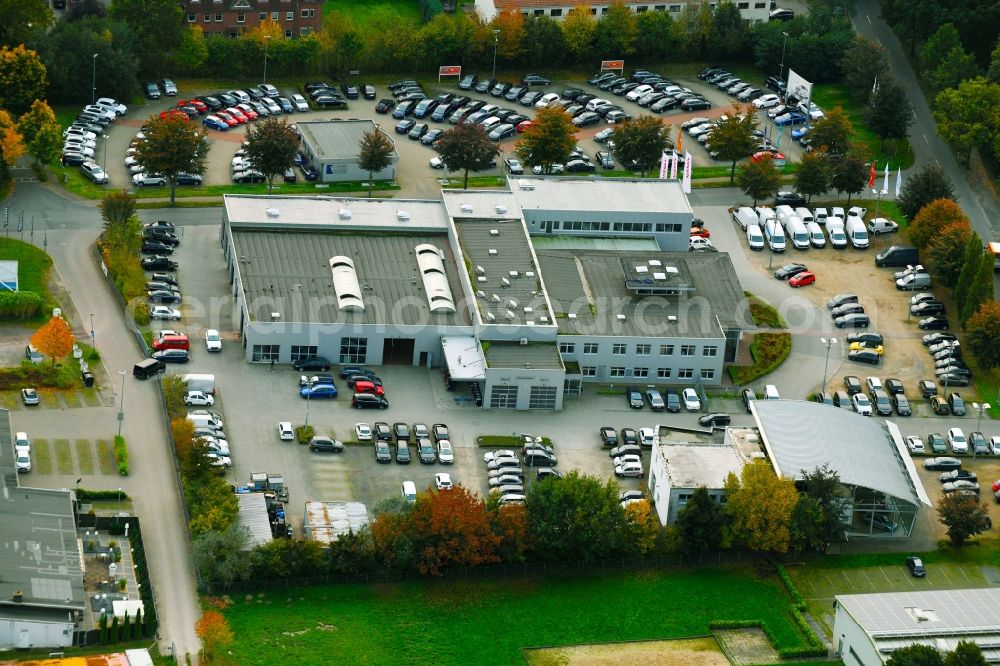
{"x":496,"y":41}
{"x":829,"y":342}
{"x":105,"y":165}
{"x":879,"y":194}
{"x":267,"y":38}
{"x":93,"y":338}
{"x":781,"y":68}
{"x":980,"y":407}
{"x":121,"y":404}
{"x":93,"y":81}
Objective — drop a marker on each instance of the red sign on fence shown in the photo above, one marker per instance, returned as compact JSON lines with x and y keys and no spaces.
{"x":449,"y":70}
{"x":613,"y":64}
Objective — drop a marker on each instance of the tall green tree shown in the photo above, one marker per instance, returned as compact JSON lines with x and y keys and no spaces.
{"x":700,"y":523}
{"x":758,"y":180}
{"x":980,"y":289}
{"x":889,"y":113}
{"x":544,"y":44}
{"x":938,"y":46}
{"x":915,"y":655}
{"x":813,"y":176}
{"x":22,"y":19}
{"x":192,"y":54}
{"x":41,"y":133}
{"x":957,"y":67}
{"x":863,"y":63}
{"x":982,"y":334}
{"x":823,"y":485}
{"x":224,"y":557}
{"x":993,"y":71}
{"x":730,"y":33}
{"x":580,"y":517}
{"x":640,"y":143}
{"x":271,"y":146}
{"x":966,"y":653}
{"x":23,"y":78}
{"x":970,"y":266}
{"x":173,"y":145}
{"x":834,"y":132}
{"x":963,"y":517}
{"x":930,"y":182}
{"x":579,"y":29}
{"x":375,"y":154}
{"x":121,"y":223}
{"x":944,"y":253}
{"x":806,"y":526}
{"x":655,"y":38}
{"x":849,"y":174}
{"x":760,"y":508}
{"x":466,"y":147}
{"x":157,"y":24}
{"x":960,"y":117}
{"x":616,"y":31}
{"x":549,"y":140}
{"x":733,"y":137}
{"x":932,"y":219}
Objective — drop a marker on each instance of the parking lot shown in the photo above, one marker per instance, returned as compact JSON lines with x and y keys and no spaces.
{"x":414,"y":175}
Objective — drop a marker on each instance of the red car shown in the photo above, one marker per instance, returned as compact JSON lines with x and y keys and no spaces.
{"x":173,"y":112}
{"x":802,"y":279}
{"x":524,"y":125}
{"x":226,"y":118}
{"x":196,"y":103}
{"x":701,"y":232}
{"x":248,"y":111}
{"x":240,"y":117}
{"x":996,"y":486}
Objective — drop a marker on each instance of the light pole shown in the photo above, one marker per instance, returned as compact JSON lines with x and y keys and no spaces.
{"x":980,"y":407}
{"x":829,"y":342}
{"x":308,"y":395}
{"x":105,"y":165}
{"x":781,"y":68}
{"x":496,"y":41}
{"x":93,"y":80}
{"x":878,"y":198}
{"x":93,"y":338}
{"x":121,"y":404}
{"x":267,"y":38}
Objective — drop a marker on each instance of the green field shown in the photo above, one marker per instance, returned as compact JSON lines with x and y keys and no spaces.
{"x":363,"y":13}
{"x":487,"y":622}
{"x":899,"y":153}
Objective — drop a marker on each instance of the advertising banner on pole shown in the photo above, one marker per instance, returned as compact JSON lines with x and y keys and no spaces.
{"x":686,"y":183}
{"x":675,"y":157}
{"x":612,"y":65}
{"x":664,"y":165}
{"x":449,"y":70}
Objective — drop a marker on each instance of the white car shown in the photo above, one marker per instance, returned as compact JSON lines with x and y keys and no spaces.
{"x":212,"y":340}
{"x":23,"y":461}
{"x":957,"y":441}
{"x":271,"y":105}
{"x":699,"y":243}
{"x":862,"y":405}
{"x":78,"y":140}
{"x":490,"y":456}
{"x":82,"y":133}
{"x":436,"y":163}
{"x":363,"y":431}
{"x":86,"y":151}
{"x":163,"y":312}
{"x":300,"y":103}
{"x":767,"y":101}
{"x":442,"y":481}
{"x":22,"y":443}
{"x":218,"y":460}
{"x":285,"y":431}
{"x":627,"y":458}
{"x":633,"y":469}
{"x":216,"y":445}
{"x":445,"y":454}
{"x":547,"y":100}
{"x":915,"y":444}
{"x":995,"y":445}
{"x":691,"y":401}
{"x":107,"y":102}
{"x":646,"y":437}
{"x":199,"y":398}
{"x":214,"y":420}
{"x":164,"y":332}
{"x":148,"y":180}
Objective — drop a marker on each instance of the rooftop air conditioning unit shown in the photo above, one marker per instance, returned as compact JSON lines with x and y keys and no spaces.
{"x":523,"y":341}
{"x":505,"y":282}
{"x":510,"y":315}
{"x":529,"y":274}
{"x":571,"y":316}
{"x":494,"y":232}
{"x":492,"y":252}
{"x":672,"y":319}
{"x":620,"y":317}
{"x":481,"y":280}
{"x":528,"y":308}
{"x":501,"y":209}
{"x":757,"y":455}
{"x":514,"y":274}
{"x":275,"y":316}
{"x":466,"y":208}
{"x":490,"y":316}
{"x":655,"y":262}
{"x":526,"y":185}
{"x":402,"y":216}
{"x":344,"y":214}
{"x":753,"y":439}
{"x":272,"y":212}
{"x":544,"y":319}
{"x":480,"y":270}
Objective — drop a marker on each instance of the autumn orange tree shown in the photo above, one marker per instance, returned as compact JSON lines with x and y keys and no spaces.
{"x":760,"y":508}
{"x":54,"y":339}
{"x":510,"y":522}
{"x":214,"y":632}
{"x":932,"y":219}
{"x":450,"y":527}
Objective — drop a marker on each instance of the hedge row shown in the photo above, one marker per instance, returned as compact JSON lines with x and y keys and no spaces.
{"x":84,"y":495}
{"x":121,"y":455}
{"x":20,"y":304}
{"x":769,"y":350}
{"x":41,"y":375}
{"x":797,"y":599}
{"x":816,"y":647}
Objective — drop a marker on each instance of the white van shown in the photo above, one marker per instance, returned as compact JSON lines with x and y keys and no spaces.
{"x":746,"y":217}
{"x":804,"y":215}
{"x":591,"y":105}
{"x":820,"y":214}
{"x":490,"y":123}
{"x":203,"y":383}
{"x":835,"y":230}
{"x":775,"y":236}
{"x":202,"y":420}
{"x":765,"y":213}
{"x":771,"y":392}
{"x":409,"y":491}
{"x":857,"y":233}
{"x":755,"y":238}
{"x":548,"y":99}
{"x":816,"y":236}
{"x":784,"y":212}
{"x":637,"y":92}
{"x":797,"y":232}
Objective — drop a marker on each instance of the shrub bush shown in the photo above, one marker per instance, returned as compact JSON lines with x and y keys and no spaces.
{"x":121,"y":455}
{"x":797,"y":599}
{"x":83,"y":494}
{"x":769,"y":350}
{"x":41,"y":375}
{"x":304,"y":433}
{"x":174,"y":389}
{"x":20,"y":304}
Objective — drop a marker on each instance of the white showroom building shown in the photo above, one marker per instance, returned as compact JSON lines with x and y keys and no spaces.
{"x":459,"y":284}
{"x":332,"y":147}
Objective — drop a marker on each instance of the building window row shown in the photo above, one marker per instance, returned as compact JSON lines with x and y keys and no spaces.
{"x":542,"y":397}
{"x":503,"y":396}
{"x":300,"y":352}
{"x":264,"y":353}
{"x":353,"y":350}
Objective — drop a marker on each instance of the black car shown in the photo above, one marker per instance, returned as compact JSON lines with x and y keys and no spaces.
{"x":385,"y":105}
{"x":171,"y":356}
{"x":927,"y":308}
{"x":916,"y":567}
{"x":695,"y":104}
{"x":715,"y":420}
{"x":881,"y":403}
{"x":401,"y":432}
{"x":535,"y":80}
{"x":957,"y":404}
{"x":156,"y":247}
{"x":629,"y":436}
{"x":165,"y":278}
{"x":530,"y":98}
{"x":349,"y":371}
{"x":852,"y":384}
{"x":311,"y":363}
{"x":954,"y":379}
{"x":748,"y":396}
{"x":866,"y":339}
{"x":227,"y":99}
{"x":404,"y":126}
{"x":382,"y":432}
{"x":840,"y":299}
{"x":793,"y":199}
{"x":330,"y":102}
{"x":608,"y":436}
{"x":500,"y":88}
{"x":958,"y":475}
{"x":634,"y":398}
{"x":425,"y":451}
{"x":72,"y":159}
{"x":151,"y":89}
{"x":383,"y":454}
{"x":402,"y":452}
{"x":158,"y":263}
{"x":789,"y":270}
{"x":579,"y":166}
{"x":321,"y":443}
{"x":863,"y":356}
{"x":212,"y":103}
{"x":187,"y":179}
{"x":846,"y":309}
{"x":467,"y":82}
{"x":417,"y":131}
{"x":672,"y":399}
{"x":942,"y":463}
{"x":350,"y":91}
{"x":933,"y":323}
{"x":893,"y":386}
{"x":854,"y":320}
{"x":483,"y":86}
{"x":901,"y":404}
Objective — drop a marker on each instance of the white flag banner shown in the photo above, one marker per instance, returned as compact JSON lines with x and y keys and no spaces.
{"x":664,"y":165}
{"x":686,"y":183}
{"x":674,"y":159}
{"x":885,"y":181}
{"x":899,"y":180}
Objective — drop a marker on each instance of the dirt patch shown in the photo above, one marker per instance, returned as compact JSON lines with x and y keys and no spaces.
{"x":687,"y":651}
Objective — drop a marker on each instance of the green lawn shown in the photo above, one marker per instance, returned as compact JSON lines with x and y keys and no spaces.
{"x":486,"y":622}
{"x":32,"y":263}
{"x":363,"y":13}
{"x":899,"y":153}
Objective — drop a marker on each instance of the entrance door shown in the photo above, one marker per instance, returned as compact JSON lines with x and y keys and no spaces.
{"x":398,"y":351}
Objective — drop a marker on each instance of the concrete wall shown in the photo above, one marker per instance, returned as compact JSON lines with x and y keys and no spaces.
{"x":546,"y":222}
{"x":524,"y":379}
{"x":331,"y":171}
{"x":659,"y":485}
{"x":35,"y":634}
{"x":605,"y":359}
{"x":851,"y":642}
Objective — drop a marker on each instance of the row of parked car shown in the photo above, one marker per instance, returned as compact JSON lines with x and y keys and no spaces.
{"x":80,"y":138}
{"x":505,"y":471}
{"x":369,"y":393}
{"x":669,"y":400}
{"x":650,"y":90}
{"x":209,"y":428}
{"x":775,"y":228}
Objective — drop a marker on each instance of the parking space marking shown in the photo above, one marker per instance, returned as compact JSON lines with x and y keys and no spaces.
{"x":887,"y":579}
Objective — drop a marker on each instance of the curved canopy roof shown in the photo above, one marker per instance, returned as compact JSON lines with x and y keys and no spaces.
{"x":800,"y":435}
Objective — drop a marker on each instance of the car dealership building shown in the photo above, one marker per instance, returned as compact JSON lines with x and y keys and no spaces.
{"x":477,"y":284}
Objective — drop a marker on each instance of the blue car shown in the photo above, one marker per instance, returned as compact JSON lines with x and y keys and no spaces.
{"x":800,"y":132}
{"x":319,"y":391}
{"x":212,"y":122}
{"x":792,"y":118}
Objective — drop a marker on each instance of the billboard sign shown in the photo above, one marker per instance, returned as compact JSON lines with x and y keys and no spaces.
{"x":449,"y":70}
{"x":612,"y":64}
{"x":799,"y":87}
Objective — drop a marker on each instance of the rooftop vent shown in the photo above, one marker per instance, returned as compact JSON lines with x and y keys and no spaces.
{"x":672,"y":270}
{"x":659,"y":276}
{"x":344,"y":214}
{"x":501,"y":209}
{"x":272,"y":212}
{"x":495,"y":298}
{"x":466,"y":208}
{"x":492,"y":252}
{"x":672,"y":319}
{"x":494,"y":232}
{"x":510,"y":315}
{"x":526,"y":184}
{"x":402,"y":216}
{"x":620,"y":317}
{"x":480,"y":293}
{"x":505,"y":282}
{"x":544,"y":319}
{"x":512,"y":303}
{"x":642,"y":269}
{"x":480,"y":270}
{"x":523,"y":341}
{"x":571,"y":316}
{"x":275,"y":316}
{"x":490,"y":316}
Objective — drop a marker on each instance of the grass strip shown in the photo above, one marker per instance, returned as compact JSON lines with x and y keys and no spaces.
{"x":64,"y":456}
{"x":85,"y":456}
{"x":106,"y":457}
{"x":41,"y":456}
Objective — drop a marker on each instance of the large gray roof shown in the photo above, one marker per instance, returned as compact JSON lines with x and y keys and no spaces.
{"x":587,"y":194}
{"x":336,"y":139}
{"x":954,"y":610}
{"x":39,"y":549}
{"x":591,"y":284}
{"x":539,"y":355}
{"x":801,"y":436}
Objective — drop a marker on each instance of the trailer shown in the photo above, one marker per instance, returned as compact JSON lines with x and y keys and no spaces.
{"x":993,"y":247}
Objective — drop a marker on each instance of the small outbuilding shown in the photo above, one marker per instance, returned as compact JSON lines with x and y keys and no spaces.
{"x":332,"y":147}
